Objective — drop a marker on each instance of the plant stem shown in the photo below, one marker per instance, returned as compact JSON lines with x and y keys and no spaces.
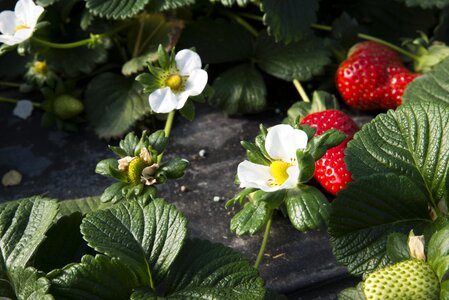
{"x":138,"y":39}
{"x":167,"y":130}
{"x":301,"y":91}
{"x":10,"y":84}
{"x":14,"y":101}
{"x":373,"y":39}
{"x":264,"y":242}
{"x":80,"y":43}
{"x":242,"y":22}
{"x":251,"y":16}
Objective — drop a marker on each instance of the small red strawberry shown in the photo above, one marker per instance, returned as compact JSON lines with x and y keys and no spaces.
{"x":330,"y":170}
{"x":372,"y":77}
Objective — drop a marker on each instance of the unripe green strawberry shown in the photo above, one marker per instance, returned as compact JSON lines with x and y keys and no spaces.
{"x":135,"y":169}
{"x":410,"y":279}
{"x":67,"y":107}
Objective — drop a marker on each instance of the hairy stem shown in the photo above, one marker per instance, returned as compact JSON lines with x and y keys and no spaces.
{"x":10,"y":84}
{"x":301,"y":91}
{"x":14,"y":101}
{"x":241,"y":22}
{"x":167,"y":130}
{"x":264,"y":242}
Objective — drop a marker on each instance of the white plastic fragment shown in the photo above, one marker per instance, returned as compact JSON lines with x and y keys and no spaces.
{"x":23,"y":109}
{"x":12,"y":177}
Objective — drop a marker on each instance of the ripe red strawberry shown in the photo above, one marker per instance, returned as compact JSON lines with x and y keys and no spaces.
{"x":369,"y":78}
{"x":330,"y":170}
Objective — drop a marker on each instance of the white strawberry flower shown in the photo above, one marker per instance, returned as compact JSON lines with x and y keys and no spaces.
{"x":18,"y":25}
{"x":281,"y":144}
{"x":187,"y":80}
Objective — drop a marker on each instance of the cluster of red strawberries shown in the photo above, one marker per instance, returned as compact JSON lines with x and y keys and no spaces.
{"x":372,"y":77}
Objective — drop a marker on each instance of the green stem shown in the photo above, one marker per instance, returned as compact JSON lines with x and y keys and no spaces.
{"x":80,"y":43}
{"x":167,"y":130}
{"x":264,"y":242}
{"x":301,"y":91}
{"x":242,"y":22}
{"x":149,"y":275}
{"x":373,"y":39}
{"x":14,"y":101}
{"x":138,"y":39}
{"x":10,"y":84}
{"x":251,"y":16}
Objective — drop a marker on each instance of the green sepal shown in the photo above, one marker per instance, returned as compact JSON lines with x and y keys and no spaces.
{"x":158,"y":141}
{"x":310,"y":131}
{"x":163,"y":58}
{"x":321,"y":101}
{"x":254,"y":154}
{"x":149,"y":81}
{"x":188,"y":110}
{"x":444,"y":290}
{"x":397,"y":247}
{"x":438,"y":252}
{"x":128,"y":144}
{"x":113,"y":193}
{"x":117,"y":150}
{"x":307,"y":207}
{"x":273,"y":199}
{"x":306,"y":165}
{"x":240,"y":197}
{"x":174,"y":168}
{"x":318,"y":145}
{"x":109,"y":167}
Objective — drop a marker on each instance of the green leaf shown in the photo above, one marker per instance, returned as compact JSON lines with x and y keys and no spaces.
{"x":163,"y":5}
{"x":413,"y":140}
{"x":299,"y":60}
{"x":289,"y":20}
{"x":438,"y":252}
{"x":23,"y":224}
{"x":158,"y":141}
{"x":30,"y":284}
{"x":120,"y":97}
{"x":204,"y":270}
{"x":239,"y":90}
{"x":367,"y":212}
{"x":251,"y":218}
{"x":115,"y":9}
{"x":355,"y":293}
{"x":64,"y":244}
{"x":231,"y":41}
{"x":147,"y":239}
{"x":430,"y":87}
{"x":307,"y":207}
{"x":241,"y":3}
{"x":96,"y":278}
{"x":397,"y":247}
{"x":427,"y":4}
{"x":129,"y":144}
{"x":76,"y":61}
{"x":144,"y":294}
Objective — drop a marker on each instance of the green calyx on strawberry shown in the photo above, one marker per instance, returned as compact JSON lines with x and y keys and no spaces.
{"x":330,"y":170}
{"x":409,"y":279}
{"x":372,"y":77}
{"x":67,"y":107}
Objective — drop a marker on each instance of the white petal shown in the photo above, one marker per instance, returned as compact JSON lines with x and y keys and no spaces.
{"x":163,"y":100}
{"x":8,"y":40}
{"x":187,"y":61}
{"x":253,"y":175}
{"x":23,"y":109}
{"x":8,"y":22}
{"x":196,"y":82}
{"x":292,"y":180}
{"x":23,"y":34}
{"x":182,"y":99}
{"x":28,"y":12}
{"x":283,"y":140}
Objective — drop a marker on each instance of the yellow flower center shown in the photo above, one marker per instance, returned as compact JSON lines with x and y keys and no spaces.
{"x":278,"y":170}
{"x":174,"y":82}
{"x":40,"y":67}
{"x":19,"y":27}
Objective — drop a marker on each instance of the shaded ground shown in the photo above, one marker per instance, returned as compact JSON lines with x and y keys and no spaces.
{"x":61,"y":165}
